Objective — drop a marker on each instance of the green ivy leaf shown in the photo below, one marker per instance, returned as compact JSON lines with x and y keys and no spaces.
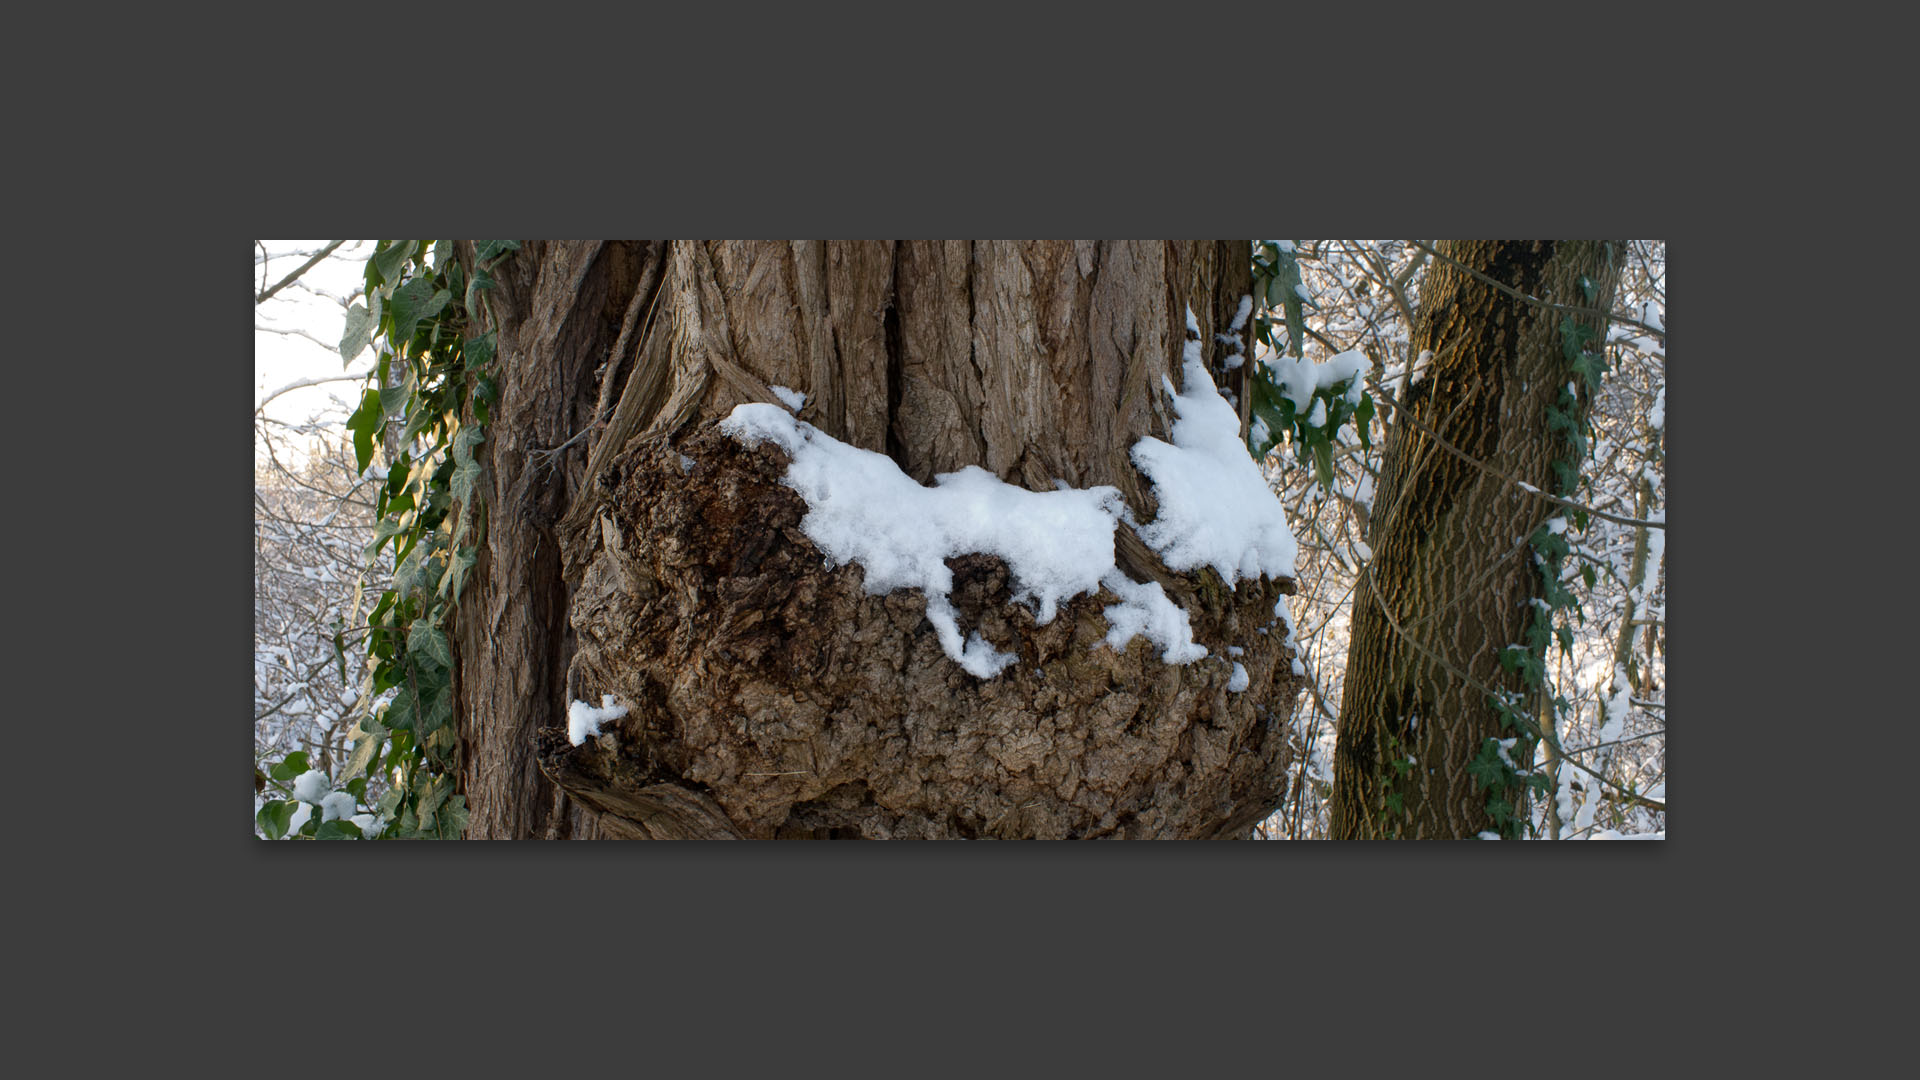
{"x":436,"y":700}
{"x":393,"y":399}
{"x":427,"y":641}
{"x":392,"y":259}
{"x":399,"y":715}
{"x":382,"y":532}
{"x":358,"y":334}
{"x":294,"y":765}
{"x":456,"y":576}
{"x":479,"y":283}
{"x":488,"y":250}
{"x":467,"y":472}
{"x":1487,"y":770}
{"x":1322,"y":457}
{"x":337,"y":829}
{"x":452,"y":823}
{"x":479,"y":351}
{"x":413,"y":303}
{"x":274,"y":817}
{"x":364,"y":422}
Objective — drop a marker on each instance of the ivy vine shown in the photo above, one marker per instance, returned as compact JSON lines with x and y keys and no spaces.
{"x":1498,"y":766}
{"x":430,"y":392}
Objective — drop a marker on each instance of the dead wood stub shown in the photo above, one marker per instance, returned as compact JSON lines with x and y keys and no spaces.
{"x":769,"y":695}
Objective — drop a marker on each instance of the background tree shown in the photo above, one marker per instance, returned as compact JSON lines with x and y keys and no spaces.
{"x":631,"y":549}
{"x":1434,"y":736}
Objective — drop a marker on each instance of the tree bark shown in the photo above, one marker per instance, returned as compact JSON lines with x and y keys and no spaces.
{"x":1452,"y":566}
{"x":661,"y":561}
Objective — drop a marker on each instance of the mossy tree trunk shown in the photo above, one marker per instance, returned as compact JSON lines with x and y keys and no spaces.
{"x":660,"y":561}
{"x":1453,"y":578}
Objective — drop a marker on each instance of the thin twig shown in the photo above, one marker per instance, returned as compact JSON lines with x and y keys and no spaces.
{"x":1535,"y":492}
{"x":304,"y":267}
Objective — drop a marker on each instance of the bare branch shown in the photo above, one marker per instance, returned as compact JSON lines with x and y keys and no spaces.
{"x":291,"y":278}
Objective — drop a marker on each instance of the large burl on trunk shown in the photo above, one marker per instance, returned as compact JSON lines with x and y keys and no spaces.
{"x":662,"y":561}
{"x":795,"y":704}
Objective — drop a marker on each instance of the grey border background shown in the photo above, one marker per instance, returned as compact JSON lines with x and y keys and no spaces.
{"x":1111,"y":949}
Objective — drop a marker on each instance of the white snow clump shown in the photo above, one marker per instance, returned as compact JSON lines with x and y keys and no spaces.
{"x":1215,"y":506}
{"x":311,"y":786}
{"x":584,"y":720}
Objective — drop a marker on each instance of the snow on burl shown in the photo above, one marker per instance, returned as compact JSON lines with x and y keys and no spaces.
{"x":1215,"y":509}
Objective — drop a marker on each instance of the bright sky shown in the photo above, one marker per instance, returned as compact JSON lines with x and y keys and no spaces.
{"x":291,"y":327}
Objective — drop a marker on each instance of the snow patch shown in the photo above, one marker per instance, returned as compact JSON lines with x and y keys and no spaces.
{"x":1216,"y":508}
{"x":1144,"y":608}
{"x":311,"y":786}
{"x":1299,"y":378}
{"x":1240,"y":678}
{"x":1057,"y":544}
{"x":337,"y":805}
{"x":584,"y":720}
{"x":793,"y":398}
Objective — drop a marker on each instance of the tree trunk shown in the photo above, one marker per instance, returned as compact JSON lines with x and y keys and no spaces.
{"x":1452,"y":565}
{"x":661,"y":561}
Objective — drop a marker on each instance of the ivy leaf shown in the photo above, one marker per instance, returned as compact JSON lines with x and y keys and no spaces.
{"x":363,"y":423}
{"x":358,"y":334}
{"x":337,"y":829}
{"x":393,"y":399}
{"x":364,"y":750}
{"x":390,"y":260}
{"x":456,"y":575}
{"x":1322,"y":457}
{"x":274,"y":818}
{"x":382,"y":532}
{"x":1363,"y":419}
{"x":453,"y":818}
{"x":488,"y":250}
{"x":1587,"y":575}
{"x":412,"y":303}
{"x":479,"y":283}
{"x":435,"y":712}
{"x":294,"y":765}
{"x":427,"y":640}
{"x":399,"y":714}
{"x":479,"y":351}
{"x":1487,"y":770}
{"x":467,"y":472}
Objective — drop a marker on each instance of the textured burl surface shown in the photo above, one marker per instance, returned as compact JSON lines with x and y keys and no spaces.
{"x":770,"y":696}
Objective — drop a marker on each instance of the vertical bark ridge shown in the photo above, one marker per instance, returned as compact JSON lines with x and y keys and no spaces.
{"x":559,"y":311}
